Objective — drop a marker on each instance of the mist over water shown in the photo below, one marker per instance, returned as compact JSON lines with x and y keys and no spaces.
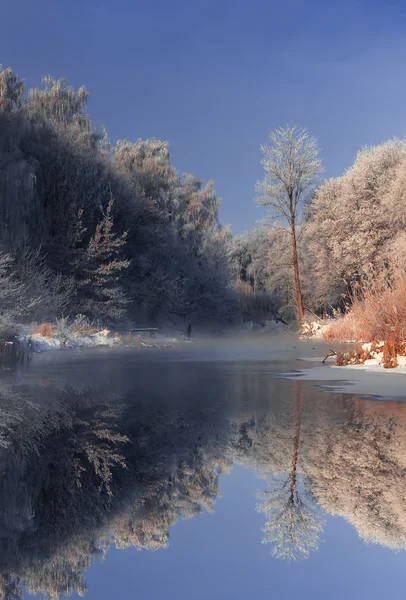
{"x":111,"y":450}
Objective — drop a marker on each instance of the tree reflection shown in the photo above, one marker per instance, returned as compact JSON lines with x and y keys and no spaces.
{"x":81,"y":470}
{"x":361,"y":474}
{"x":293,"y":521}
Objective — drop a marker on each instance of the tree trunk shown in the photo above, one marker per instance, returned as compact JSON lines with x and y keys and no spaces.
{"x":299,"y":299}
{"x":294,"y":498}
{"x":298,"y":421}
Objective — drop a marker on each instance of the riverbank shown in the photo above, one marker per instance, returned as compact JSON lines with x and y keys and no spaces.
{"x":23,"y":341}
{"x":385,"y":354}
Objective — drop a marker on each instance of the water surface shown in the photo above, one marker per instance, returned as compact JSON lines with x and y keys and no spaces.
{"x":197,"y":473}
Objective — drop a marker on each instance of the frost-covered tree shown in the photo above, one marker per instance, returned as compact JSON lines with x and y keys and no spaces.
{"x":292,"y":168}
{"x":11,"y":90}
{"x":59,"y":103}
{"x":180,"y":250}
{"x":99,"y":270}
{"x":353,"y":219}
{"x":158,"y":253}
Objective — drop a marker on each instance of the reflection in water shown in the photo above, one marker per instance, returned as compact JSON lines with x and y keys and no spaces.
{"x":81,"y":470}
{"x":293,"y":521}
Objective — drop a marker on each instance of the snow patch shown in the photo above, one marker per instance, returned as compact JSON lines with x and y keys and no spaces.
{"x":312,"y":329}
{"x":38,"y":343}
{"x":372,"y":362}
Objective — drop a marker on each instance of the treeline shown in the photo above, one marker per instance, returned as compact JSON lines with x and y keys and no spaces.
{"x":110,"y":232}
{"x":115,"y":233}
{"x":351,"y":234}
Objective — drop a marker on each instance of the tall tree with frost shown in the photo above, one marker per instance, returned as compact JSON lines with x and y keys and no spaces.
{"x":101,"y":267}
{"x":292,"y":168}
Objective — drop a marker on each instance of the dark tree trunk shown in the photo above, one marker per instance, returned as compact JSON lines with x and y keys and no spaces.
{"x":299,"y":299}
{"x":324,"y":310}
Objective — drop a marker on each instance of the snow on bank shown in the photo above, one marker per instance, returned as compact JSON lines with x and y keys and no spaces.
{"x":366,"y":355}
{"x":311,"y":329}
{"x":35,"y":342}
{"x":370,"y":380}
{"x":39,"y":343}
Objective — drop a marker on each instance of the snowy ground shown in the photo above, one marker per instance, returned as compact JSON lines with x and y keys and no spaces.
{"x":38,"y":343}
{"x":371,"y":380}
{"x":35,"y":342}
{"x":312,"y":329}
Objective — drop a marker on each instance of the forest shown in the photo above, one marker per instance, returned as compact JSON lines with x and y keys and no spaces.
{"x":111,"y":233}
{"x":115,"y":234}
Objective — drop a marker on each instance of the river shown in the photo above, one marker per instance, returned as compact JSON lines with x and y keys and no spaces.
{"x":198,"y":472}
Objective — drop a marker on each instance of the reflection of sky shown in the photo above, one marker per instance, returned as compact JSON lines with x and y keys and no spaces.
{"x":220,"y":556}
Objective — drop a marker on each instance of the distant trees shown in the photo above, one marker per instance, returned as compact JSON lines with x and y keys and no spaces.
{"x":262,"y":272}
{"x":292,"y":169}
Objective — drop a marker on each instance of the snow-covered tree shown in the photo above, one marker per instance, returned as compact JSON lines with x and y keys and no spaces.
{"x":353,"y":219}
{"x":292,"y":168}
{"x":11,"y":90}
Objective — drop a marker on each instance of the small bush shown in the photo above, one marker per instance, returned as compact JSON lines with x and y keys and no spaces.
{"x":61,"y":328}
{"x":45,"y":330}
{"x":82,"y":326}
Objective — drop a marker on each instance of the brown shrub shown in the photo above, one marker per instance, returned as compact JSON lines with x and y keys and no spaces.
{"x":389,"y":354}
{"x":341,"y":359}
{"x":362,"y":354}
{"x":45,"y":329}
{"x":342,"y":329}
{"x":378,"y":313}
{"x":354,"y":357}
{"x":134,"y":340}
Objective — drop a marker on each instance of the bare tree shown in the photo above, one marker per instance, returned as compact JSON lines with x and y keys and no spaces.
{"x":292,"y":168}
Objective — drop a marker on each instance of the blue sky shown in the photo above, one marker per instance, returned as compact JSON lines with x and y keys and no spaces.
{"x":214,"y":77}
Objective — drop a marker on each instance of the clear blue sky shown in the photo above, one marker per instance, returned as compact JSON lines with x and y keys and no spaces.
{"x":213,"y":77}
